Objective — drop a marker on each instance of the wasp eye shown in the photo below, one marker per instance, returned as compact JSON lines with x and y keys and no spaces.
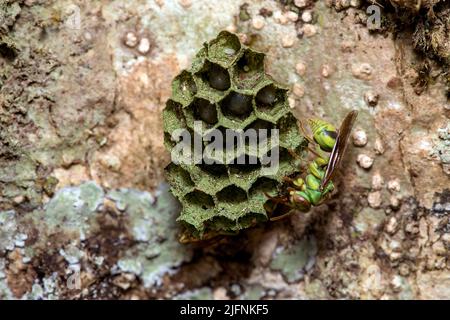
{"x":332,"y":134}
{"x":219,"y":78}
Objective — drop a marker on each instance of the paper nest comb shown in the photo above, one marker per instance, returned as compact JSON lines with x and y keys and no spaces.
{"x":227,"y":88}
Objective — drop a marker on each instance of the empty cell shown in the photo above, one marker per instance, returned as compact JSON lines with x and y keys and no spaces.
{"x":204,"y":110}
{"x":263,"y":184}
{"x":200,"y":199}
{"x":267,"y":95}
{"x":269,"y":98}
{"x":232,"y":194}
{"x":178,"y":177}
{"x":215,"y":170}
{"x":249,"y":70}
{"x":224,"y":48}
{"x":218,"y":77}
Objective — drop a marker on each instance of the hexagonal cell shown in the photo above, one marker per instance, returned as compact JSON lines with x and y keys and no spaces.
{"x":248,"y":70}
{"x":232,"y":194}
{"x":251,"y":219}
{"x":289,"y":162}
{"x":183,"y":88}
{"x":216,"y":170}
{"x":244,"y":171}
{"x":233,"y":144}
{"x":188,"y":147}
{"x":173,"y":116}
{"x":201,"y":110}
{"x":257,"y":198}
{"x":221,"y":223}
{"x":224,"y":49}
{"x":214,"y":76}
{"x":260,"y":124}
{"x":236,"y":106}
{"x":200,"y":200}
{"x":179,"y":179}
{"x":263,"y":184}
{"x":244,"y":163}
{"x":197,"y":207}
{"x":290,"y":137}
{"x":270,"y":100}
{"x":209,"y":178}
{"x":263,"y":129}
{"x":215,"y":145}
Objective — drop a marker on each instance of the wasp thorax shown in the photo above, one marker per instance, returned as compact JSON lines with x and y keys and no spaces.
{"x":237,"y":104}
{"x":267,"y":96}
{"x":206,"y":111}
{"x":219,"y":78}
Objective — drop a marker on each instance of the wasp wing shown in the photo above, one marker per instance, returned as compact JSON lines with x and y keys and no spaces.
{"x":339,"y":147}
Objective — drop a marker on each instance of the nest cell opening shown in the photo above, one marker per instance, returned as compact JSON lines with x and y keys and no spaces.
{"x":200,"y":200}
{"x":216,"y":77}
{"x":237,"y":106}
{"x":259,"y":125}
{"x":224,"y":48}
{"x":269,"y":97}
{"x":245,"y":164}
{"x":204,"y":110}
{"x":220,"y":223}
{"x":250,"y":219}
{"x":263,"y":184}
{"x":215,"y":170}
{"x":179,"y":177}
{"x":249,"y":70}
{"x":232,"y":194}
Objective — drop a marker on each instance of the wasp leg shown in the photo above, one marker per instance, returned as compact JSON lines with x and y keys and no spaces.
{"x":276,"y":199}
{"x":287,"y":179}
{"x":314,"y":152}
{"x":283,"y":216}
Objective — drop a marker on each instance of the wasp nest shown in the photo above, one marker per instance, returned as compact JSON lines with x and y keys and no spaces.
{"x":226,"y":89}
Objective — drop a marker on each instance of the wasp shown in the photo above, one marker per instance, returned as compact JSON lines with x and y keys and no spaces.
{"x":301,"y":194}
